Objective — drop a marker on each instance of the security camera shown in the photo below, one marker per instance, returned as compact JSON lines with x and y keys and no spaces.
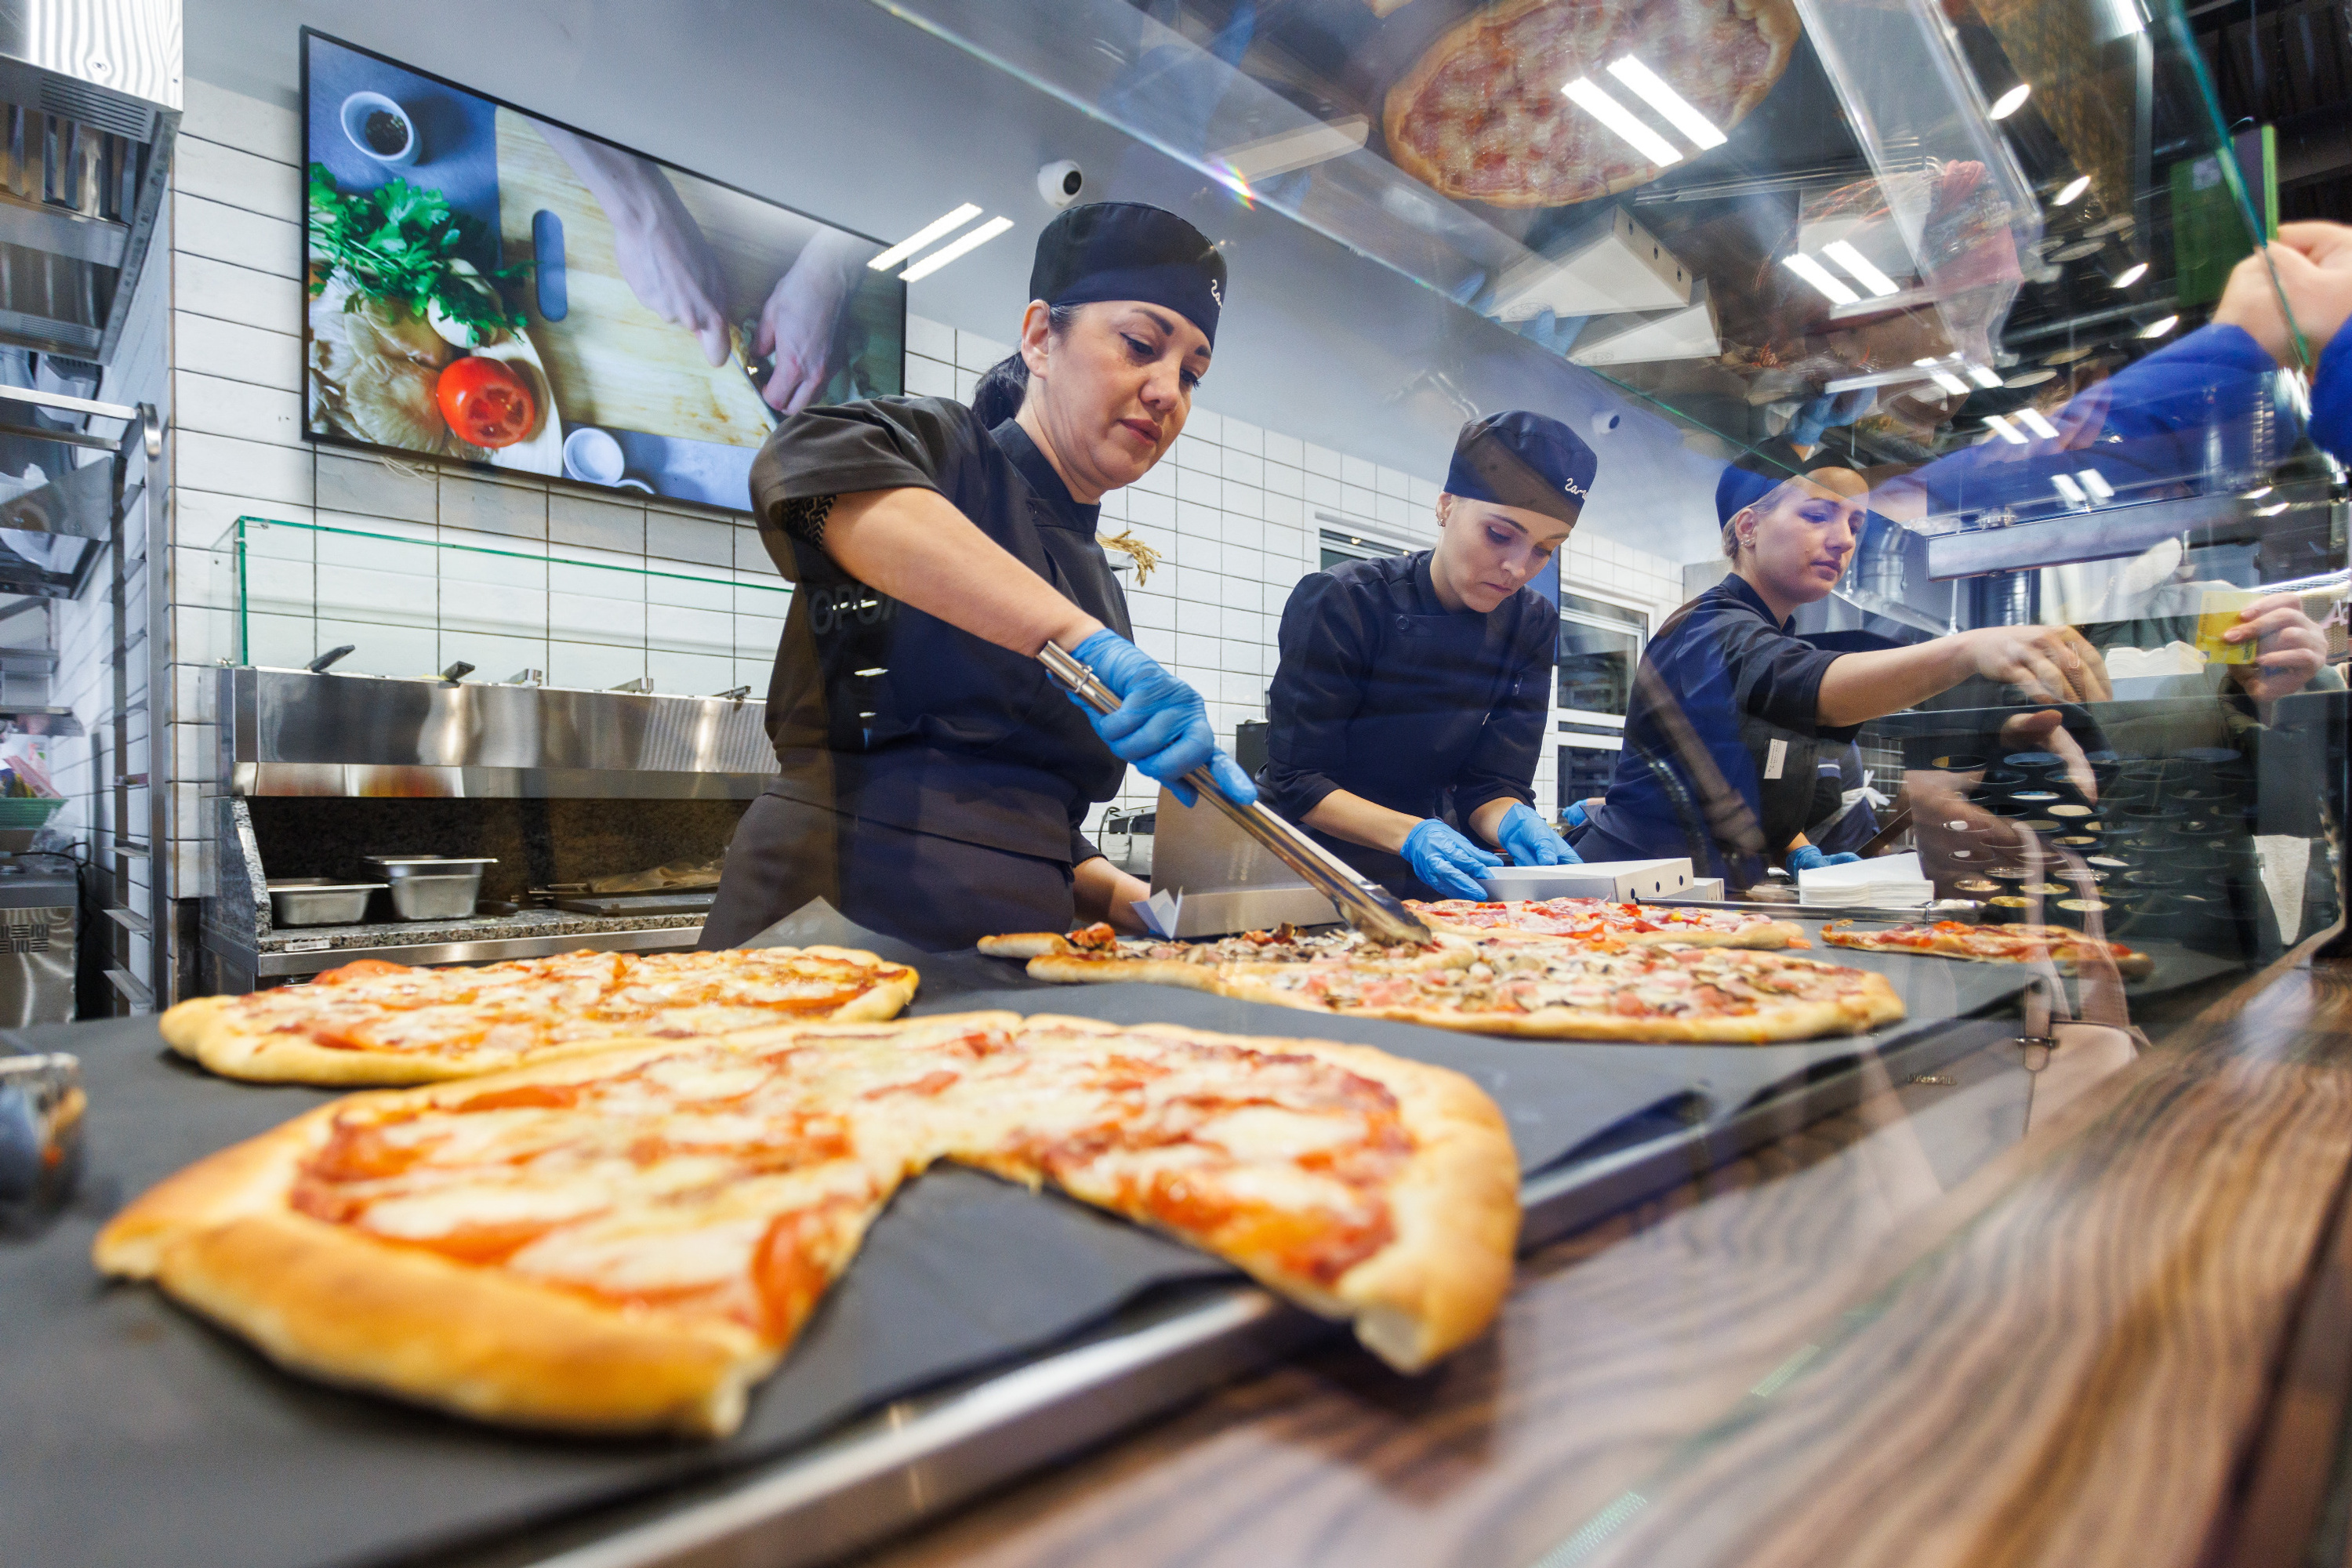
{"x":1060,"y":182}
{"x":1607,"y":424}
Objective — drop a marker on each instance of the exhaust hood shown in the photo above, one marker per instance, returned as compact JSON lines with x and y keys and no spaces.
{"x":90,"y":103}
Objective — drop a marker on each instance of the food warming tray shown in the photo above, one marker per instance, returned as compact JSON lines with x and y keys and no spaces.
{"x":676,"y":901}
{"x":983,"y":1331}
{"x":319,"y":901}
{"x":433,"y":886}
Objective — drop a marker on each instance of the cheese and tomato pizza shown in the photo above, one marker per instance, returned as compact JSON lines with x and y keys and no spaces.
{"x":376,"y":1023}
{"x":1482,"y":115}
{"x":1586,"y":920}
{"x":1097,"y":954}
{"x":1597,"y":988}
{"x":1563,"y":991}
{"x":627,"y":1242}
{"x":2059,"y":945}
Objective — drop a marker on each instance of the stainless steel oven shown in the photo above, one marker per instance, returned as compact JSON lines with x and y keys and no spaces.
{"x":1600,"y":644}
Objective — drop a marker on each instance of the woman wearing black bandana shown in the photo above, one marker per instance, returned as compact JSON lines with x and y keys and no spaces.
{"x":1408,"y":709}
{"x":934,"y":778}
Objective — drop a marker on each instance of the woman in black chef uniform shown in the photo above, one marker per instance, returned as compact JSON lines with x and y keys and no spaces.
{"x":1730,"y":707}
{"x":934,"y":777}
{"x":1414,"y":688}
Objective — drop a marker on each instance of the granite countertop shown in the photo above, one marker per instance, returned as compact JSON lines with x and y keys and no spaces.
{"x":473,"y":928}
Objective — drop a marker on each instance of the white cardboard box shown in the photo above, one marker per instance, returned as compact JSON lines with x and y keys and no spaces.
{"x":1619,"y":879}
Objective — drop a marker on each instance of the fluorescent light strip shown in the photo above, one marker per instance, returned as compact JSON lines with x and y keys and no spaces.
{"x":2096,"y":483}
{"x":1949,"y":382}
{"x":1672,"y":107}
{"x":1984,"y":375}
{"x":1820,"y":277}
{"x":2010,"y":102}
{"x":2131,"y":275}
{"x":947,"y":253}
{"x":2033,"y":420}
{"x":1858,"y":265}
{"x":2073,"y":191}
{"x":939,"y":229}
{"x":2065,"y":486}
{"x":1619,"y":118}
{"x":2004,"y":430}
{"x":2158,"y":329}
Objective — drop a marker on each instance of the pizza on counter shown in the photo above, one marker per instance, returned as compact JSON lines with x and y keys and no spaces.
{"x":1482,"y":115}
{"x":629,"y":1241}
{"x":2059,"y":945}
{"x":376,"y":1023}
{"x":1587,"y":919}
{"x":1544,"y":987}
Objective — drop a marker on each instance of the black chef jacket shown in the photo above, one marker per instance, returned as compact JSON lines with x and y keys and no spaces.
{"x":887,"y":716}
{"x":1385,"y":693}
{"x":1724,"y":696}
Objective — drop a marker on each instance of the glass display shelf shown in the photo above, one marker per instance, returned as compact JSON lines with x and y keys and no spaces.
{"x":246,"y":553}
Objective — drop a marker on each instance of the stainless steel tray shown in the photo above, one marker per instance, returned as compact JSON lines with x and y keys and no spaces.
{"x":319,"y":901}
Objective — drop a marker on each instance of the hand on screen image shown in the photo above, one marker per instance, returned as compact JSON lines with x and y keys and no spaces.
{"x":2290,"y":648}
{"x":797,"y":324}
{"x":663,"y":255}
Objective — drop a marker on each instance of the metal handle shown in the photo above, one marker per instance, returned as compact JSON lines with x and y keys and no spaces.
{"x":1364,"y":904}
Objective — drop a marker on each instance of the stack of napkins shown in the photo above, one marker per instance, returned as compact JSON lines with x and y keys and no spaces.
{"x":1891,"y":881}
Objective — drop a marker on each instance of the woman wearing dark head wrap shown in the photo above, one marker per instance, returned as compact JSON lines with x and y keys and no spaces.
{"x":934,"y":777}
{"x":1408,"y":709}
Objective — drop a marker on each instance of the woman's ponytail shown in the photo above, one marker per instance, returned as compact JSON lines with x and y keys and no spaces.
{"x":1005,"y":384}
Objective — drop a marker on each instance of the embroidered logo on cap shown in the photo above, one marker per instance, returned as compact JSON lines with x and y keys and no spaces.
{"x":1217,"y":294}
{"x":1571,"y":486}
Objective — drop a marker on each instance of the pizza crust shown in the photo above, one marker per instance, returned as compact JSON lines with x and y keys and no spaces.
{"x":1775,"y":21}
{"x":212,"y":1031}
{"x":2131,"y":963}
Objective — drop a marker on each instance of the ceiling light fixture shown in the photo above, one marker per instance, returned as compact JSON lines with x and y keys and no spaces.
{"x":1949,"y":382}
{"x":962,"y":248}
{"x":1859,"y":267}
{"x":1287,"y":149}
{"x":2096,"y":483}
{"x":1672,"y":107}
{"x":2010,"y":102}
{"x":2004,"y":430}
{"x":2269,"y":510}
{"x":1619,"y":118}
{"x":939,"y":229}
{"x":2031,"y":418}
{"x":2065,"y":486}
{"x":1820,"y":277}
{"x":2158,"y":329}
{"x":2131,"y":275}
{"x":1984,"y":375}
{"x":2257,"y":493}
{"x":2072,"y":192}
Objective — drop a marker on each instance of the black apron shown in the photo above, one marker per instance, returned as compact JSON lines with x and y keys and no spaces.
{"x":932,"y":784}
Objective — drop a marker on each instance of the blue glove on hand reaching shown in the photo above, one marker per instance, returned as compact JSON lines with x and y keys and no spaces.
{"x":1447,"y":861}
{"x":1161,"y":725}
{"x":1805,"y":858}
{"x":1530,"y":841}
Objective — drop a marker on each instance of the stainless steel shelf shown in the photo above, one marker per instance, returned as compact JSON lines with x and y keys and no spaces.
{"x":129,"y":920}
{"x":141,"y":1000}
{"x":284,"y":958}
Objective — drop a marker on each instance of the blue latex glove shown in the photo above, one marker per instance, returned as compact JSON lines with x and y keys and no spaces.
{"x":1531,"y":841}
{"x":1806,"y":857}
{"x":1818,"y":416}
{"x":1447,"y":861}
{"x":1575,"y":815}
{"x":1161,"y":725}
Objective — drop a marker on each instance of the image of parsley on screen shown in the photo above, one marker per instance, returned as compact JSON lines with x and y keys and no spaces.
{"x":401,"y":242}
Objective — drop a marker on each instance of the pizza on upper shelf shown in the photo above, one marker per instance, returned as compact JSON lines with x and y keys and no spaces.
{"x":1482,"y":115}
{"x":1587,"y":919}
{"x":2059,"y":945}
{"x":627,"y":1242}
{"x":376,"y":1023}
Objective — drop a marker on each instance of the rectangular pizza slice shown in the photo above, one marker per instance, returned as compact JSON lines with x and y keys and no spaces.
{"x":1641,"y":925}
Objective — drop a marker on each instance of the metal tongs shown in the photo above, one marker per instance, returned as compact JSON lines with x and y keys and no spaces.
{"x":1364,"y":904}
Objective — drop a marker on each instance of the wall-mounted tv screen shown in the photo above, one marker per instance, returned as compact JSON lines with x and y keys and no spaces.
{"x":492,"y":288}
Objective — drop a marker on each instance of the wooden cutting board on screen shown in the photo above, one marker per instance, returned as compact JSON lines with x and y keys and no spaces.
{"x":611,"y":361}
